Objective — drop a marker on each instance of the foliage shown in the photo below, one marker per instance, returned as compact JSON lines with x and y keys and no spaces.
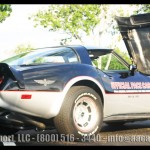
{"x":123,"y":55}
{"x":144,"y":8}
{"x":74,"y":20}
{"x":114,"y":64}
{"x":23,"y":48}
{"x":5,"y":11}
{"x":78,"y":21}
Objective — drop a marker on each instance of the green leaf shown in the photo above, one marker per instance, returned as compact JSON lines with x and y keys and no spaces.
{"x":5,"y":11}
{"x":73,"y":19}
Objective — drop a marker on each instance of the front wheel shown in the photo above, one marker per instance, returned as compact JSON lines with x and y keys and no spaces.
{"x":81,"y":113}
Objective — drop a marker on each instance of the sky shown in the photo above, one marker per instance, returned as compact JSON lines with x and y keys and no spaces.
{"x":18,"y":29}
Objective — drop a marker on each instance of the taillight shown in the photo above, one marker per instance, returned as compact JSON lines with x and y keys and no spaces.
{"x":1,"y":79}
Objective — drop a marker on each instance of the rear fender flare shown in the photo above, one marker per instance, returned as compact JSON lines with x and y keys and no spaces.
{"x":81,"y":78}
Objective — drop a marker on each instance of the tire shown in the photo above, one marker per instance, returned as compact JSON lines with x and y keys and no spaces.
{"x":81,"y":114}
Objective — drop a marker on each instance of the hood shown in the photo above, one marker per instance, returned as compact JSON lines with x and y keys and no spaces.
{"x":135,"y":31}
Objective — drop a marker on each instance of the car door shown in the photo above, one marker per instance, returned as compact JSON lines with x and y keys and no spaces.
{"x":126,"y":93}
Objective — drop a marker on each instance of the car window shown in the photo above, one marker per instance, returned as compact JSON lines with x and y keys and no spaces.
{"x":42,"y":56}
{"x":108,"y":62}
{"x":115,"y":64}
{"x":62,"y":56}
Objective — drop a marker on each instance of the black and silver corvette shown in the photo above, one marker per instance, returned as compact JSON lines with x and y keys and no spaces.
{"x":60,"y":86}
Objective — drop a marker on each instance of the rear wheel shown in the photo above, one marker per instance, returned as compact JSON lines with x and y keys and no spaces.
{"x":81,"y":114}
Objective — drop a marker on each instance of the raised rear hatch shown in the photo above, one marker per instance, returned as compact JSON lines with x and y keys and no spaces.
{"x":135,"y":31}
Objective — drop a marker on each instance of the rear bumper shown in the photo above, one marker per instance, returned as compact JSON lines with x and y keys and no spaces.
{"x":43,"y":104}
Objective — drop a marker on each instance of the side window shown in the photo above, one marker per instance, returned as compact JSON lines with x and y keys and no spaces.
{"x":115,"y":64}
{"x":55,"y":55}
{"x":108,"y":62}
{"x":72,"y":57}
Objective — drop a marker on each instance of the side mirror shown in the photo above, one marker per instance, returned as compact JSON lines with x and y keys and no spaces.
{"x":132,"y":69}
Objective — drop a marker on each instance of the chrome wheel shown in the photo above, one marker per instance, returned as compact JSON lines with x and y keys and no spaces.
{"x":81,"y":113}
{"x":85,"y":114}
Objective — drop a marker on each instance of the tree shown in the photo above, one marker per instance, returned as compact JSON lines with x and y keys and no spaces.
{"x":23,"y":48}
{"x":108,"y":26}
{"x":5,"y":11}
{"x":114,"y":63}
{"x":78,"y":21}
{"x":74,"y":20}
{"x":144,"y":8}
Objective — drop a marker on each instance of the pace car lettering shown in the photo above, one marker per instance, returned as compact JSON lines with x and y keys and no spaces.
{"x":120,"y":85}
{"x":132,"y":91}
{"x":130,"y":85}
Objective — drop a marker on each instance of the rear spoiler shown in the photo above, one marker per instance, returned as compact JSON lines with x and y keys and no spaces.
{"x":13,"y":73}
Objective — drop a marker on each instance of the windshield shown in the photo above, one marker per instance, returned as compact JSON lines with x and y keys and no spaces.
{"x":42,"y":56}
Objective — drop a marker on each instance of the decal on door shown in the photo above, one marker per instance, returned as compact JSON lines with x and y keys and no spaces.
{"x":130,"y":85}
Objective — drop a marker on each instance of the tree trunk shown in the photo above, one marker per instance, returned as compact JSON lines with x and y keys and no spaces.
{"x":79,"y":38}
{"x":108,"y":62}
{"x":99,"y":62}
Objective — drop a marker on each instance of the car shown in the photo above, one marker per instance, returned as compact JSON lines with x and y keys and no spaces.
{"x":62,"y":87}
